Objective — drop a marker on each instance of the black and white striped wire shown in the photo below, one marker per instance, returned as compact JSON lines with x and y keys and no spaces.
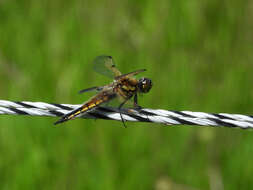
{"x":143,"y":115}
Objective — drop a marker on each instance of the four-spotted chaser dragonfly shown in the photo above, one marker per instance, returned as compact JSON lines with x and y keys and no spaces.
{"x":124,"y":87}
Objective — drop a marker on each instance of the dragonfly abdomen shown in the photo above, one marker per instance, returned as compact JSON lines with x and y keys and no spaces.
{"x":91,"y":104}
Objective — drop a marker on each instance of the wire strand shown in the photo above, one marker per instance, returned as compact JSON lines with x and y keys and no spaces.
{"x":142,"y":115}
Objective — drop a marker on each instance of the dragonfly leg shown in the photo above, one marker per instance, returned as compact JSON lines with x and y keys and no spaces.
{"x":120,"y":106}
{"x":136,"y":106}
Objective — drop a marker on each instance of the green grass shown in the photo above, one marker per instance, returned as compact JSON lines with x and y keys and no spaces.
{"x":199,"y":56}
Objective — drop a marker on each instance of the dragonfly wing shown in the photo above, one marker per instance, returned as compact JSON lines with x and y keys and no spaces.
{"x":130,"y":74}
{"x":104,"y":65}
{"x":115,"y":103}
{"x":95,"y":88}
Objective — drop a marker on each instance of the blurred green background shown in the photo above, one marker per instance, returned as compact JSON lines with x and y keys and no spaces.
{"x":199,"y":55}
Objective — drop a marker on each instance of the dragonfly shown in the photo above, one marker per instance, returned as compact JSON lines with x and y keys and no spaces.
{"x":124,"y":87}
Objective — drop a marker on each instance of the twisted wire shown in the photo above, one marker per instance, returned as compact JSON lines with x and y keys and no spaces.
{"x":166,"y":117}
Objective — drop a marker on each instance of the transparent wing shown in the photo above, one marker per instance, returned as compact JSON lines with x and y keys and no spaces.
{"x":116,"y":102}
{"x":95,"y":88}
{"x":130,"y":74}
{"x":104,"y":65}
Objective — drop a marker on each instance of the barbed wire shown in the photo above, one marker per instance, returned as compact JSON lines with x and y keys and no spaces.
{"x":141,"y":115}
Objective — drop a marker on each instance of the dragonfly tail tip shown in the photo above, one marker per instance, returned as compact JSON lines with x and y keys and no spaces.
{"x":59,"y":121}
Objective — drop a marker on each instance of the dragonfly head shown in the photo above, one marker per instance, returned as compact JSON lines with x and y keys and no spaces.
{"x":144,"y":85}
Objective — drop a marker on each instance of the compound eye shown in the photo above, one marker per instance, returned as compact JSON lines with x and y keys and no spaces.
{"x":145,"y":85}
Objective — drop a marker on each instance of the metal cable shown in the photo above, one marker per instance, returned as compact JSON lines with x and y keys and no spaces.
{"x":143,"y":115}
